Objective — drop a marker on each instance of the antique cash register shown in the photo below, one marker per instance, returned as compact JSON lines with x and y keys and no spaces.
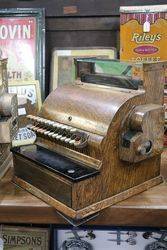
{"x":8,"y":119}
{"x":97,"y":144}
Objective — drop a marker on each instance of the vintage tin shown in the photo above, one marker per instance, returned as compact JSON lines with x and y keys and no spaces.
{"x":24,"y":238}
{"x":143,"y":36}
{"x":143,"y":33}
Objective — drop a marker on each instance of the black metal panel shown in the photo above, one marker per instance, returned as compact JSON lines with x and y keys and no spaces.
{"x":55,"y":162}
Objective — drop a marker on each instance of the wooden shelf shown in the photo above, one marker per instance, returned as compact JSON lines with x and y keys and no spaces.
{"x":146,"y":209}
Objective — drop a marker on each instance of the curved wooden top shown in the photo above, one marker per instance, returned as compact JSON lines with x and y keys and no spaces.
{"x":91,"y":108}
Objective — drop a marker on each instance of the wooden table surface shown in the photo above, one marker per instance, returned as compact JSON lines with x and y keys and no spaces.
{"x":146,"y":209}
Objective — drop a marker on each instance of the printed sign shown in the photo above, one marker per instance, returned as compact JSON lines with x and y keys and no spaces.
{"x":22,"y":42}
{"x":25,"y":91}
{"x":24,"y":136}
{"x":143,"y":33}
{"x":25,"y":238}
{"x":18,"y":44}
{"x":29,"y":98}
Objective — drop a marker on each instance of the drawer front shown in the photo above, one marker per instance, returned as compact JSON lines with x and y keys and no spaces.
{"x":43,"y":179}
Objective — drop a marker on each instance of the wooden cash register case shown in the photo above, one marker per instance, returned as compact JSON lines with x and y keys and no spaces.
{"x":117,"y":156}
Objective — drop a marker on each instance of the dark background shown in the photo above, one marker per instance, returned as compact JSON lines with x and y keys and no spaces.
{"x":81,"y":23}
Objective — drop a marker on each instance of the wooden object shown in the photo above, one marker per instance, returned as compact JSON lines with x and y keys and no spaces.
{"x":148,"y":209}
{"x":101,"y":117}
{"x":8,"y":118}
{"x":82,"y":213}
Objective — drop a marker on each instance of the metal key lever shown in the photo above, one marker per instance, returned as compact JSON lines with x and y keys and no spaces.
{"x":58,"y":131}
{"x":79,"y":140}
{"x":58,"y":136}
{"x":54,"y":135}
{"x":36,"y":128}
{"x":63,"y":138}
{"x":33,"y":127}
{"x":73,"y":139}
{"x":67,"y":139}
{"x":41,"y":130}
{"x":51,"y":133}
{"x":29,"y":126}
{"x":81,"y":143}
{"x":51,"y":123}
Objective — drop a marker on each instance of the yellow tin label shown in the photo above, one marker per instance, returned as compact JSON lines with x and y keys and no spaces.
{"x":143,"y":36}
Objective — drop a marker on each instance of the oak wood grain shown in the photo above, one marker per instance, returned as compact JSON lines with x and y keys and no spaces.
{"x":146,"y":209}
{"x":104,"y":113}
{"x":89,"y":210}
